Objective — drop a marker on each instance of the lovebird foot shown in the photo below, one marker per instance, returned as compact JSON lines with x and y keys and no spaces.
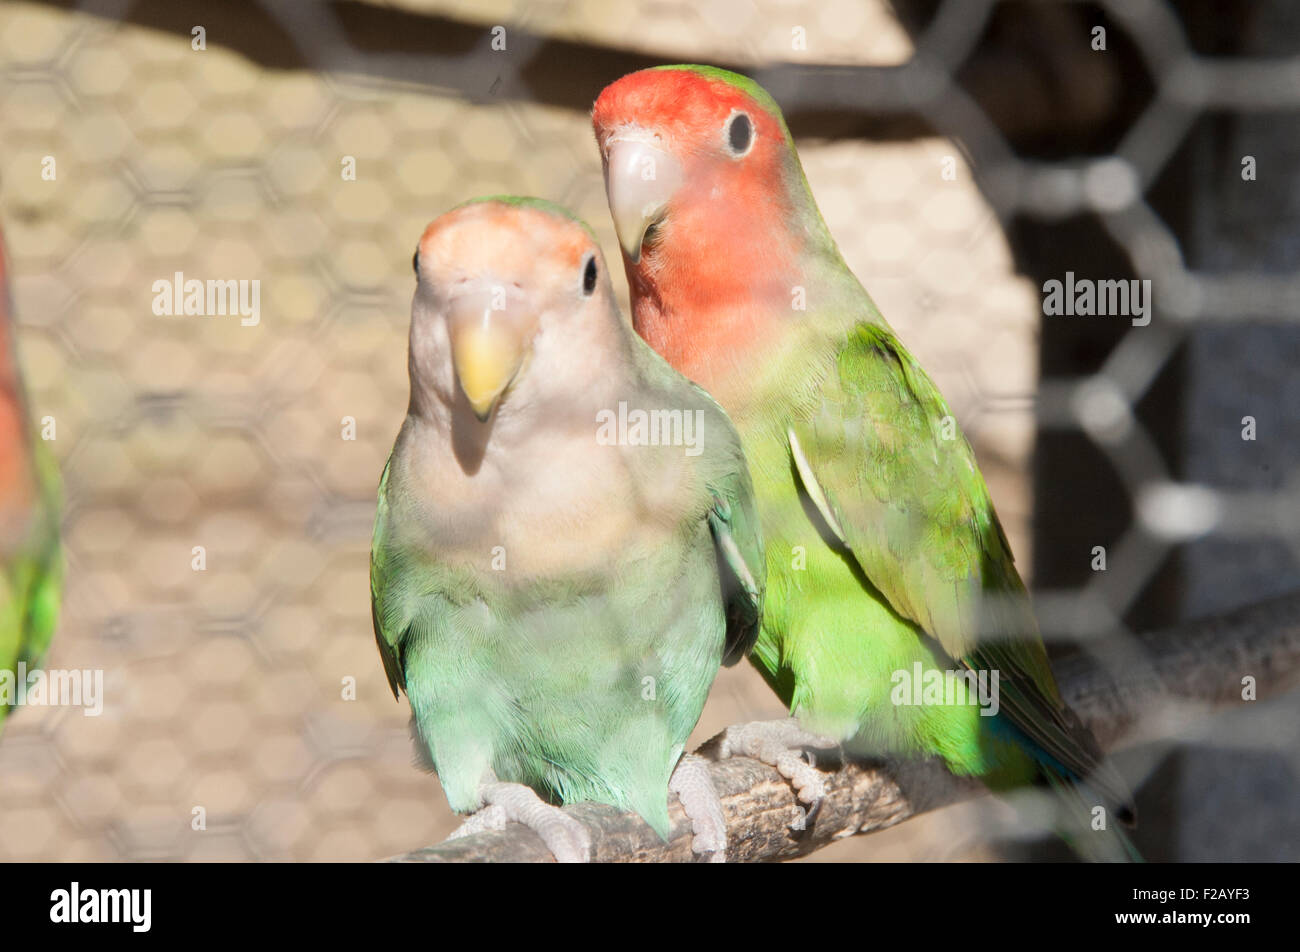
{"x":693,"y":785}
{"x":790,"y":749}
{"x":566,"y":838}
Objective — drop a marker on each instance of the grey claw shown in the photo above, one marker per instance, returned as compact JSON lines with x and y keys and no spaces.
{"x":814,"y":810}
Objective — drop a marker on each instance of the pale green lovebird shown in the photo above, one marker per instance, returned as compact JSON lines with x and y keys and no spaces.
{"x":31,"y":562}
{"x":885,"y":556}
{"x":566,"y":547}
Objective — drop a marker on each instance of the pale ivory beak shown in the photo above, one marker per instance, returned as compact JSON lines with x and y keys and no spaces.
{"x":491,"y":330}
{"x":640,"y":178}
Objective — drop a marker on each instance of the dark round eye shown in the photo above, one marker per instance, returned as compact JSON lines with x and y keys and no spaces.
{"x":415,"y":261}
{"x":740,"y":133}
{"x":589,"y":276}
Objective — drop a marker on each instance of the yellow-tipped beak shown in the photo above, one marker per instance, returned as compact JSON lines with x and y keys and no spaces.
{"x":640,"y":178}
{"x":487,"y":349}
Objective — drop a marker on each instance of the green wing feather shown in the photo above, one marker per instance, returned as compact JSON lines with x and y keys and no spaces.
{"x":894,"y":478}
{"x":386,"y":617}
{"x":46,"y":559}
{"x":734,"y":524}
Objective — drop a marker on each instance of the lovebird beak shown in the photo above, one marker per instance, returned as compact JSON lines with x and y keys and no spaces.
{"x":491,"y":331}
{"x":640,"y":178}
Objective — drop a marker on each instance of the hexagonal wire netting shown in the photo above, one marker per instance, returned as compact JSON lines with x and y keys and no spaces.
{"x":224,"y":688}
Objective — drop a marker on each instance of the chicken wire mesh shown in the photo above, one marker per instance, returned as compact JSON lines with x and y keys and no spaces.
{"x":220,"y":471}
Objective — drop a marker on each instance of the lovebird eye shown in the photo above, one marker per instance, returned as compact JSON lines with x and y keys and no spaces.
{"x":740,"y":133}
{"x":415,"y":261}
{"x":589,"y":276}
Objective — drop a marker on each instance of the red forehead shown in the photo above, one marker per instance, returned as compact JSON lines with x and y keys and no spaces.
{"x":677,"y":100}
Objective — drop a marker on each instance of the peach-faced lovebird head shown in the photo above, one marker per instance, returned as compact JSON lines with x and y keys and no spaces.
{"x":512,"y":307}
{"x":711,"y":207}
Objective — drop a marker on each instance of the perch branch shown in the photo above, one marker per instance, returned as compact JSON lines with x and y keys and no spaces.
{"x":1166,"y":677}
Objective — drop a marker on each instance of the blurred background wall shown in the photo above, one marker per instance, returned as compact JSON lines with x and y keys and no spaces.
{"x":962,"y":154}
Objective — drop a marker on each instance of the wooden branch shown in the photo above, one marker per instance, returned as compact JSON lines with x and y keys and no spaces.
{"x":1164,"y":679}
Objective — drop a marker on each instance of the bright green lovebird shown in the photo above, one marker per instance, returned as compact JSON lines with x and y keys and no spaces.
{"x":885,"y":556}
{"x":31,"y":564}
{"x":566,"y":546}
